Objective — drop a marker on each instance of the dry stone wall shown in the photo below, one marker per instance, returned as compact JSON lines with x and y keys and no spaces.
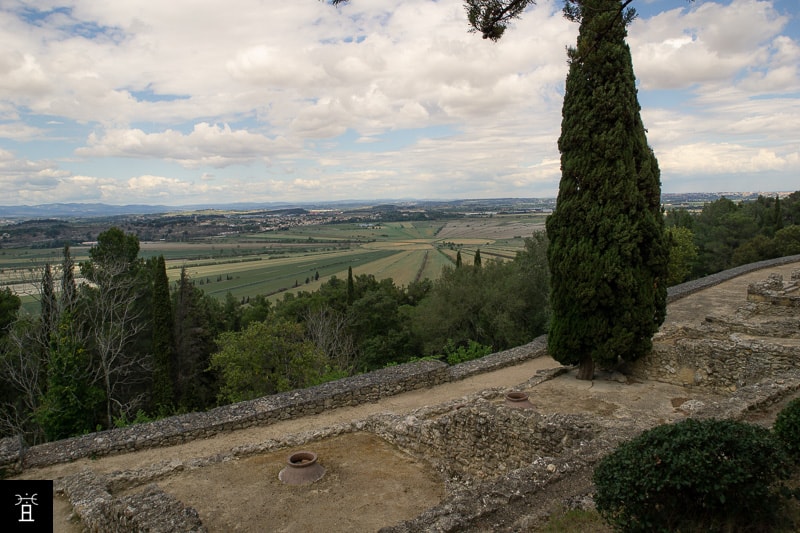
{"x":729,"y":352}
{"x":486,"y":438}
{"x":151,"y":510}
{"x":355,"y":390}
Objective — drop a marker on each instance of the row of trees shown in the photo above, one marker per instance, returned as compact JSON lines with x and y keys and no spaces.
{"x":116,"y":344}
{"x":125,"y":344}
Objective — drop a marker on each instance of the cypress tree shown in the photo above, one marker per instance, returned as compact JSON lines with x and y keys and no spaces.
{"x":163,"y":339}
{"x":49,"y":315}
{"x":607,"y":250}
{"x":476,"y":261}
{"x":68,"y":289}
{"x":458,"y":259}
{"x":351,"y":288}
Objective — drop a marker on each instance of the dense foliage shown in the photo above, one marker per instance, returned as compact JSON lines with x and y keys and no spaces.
{"x":695,"y":475}
{"x":608,"y":252}
{"x":787,"y":428}
{"x":725,"y":234}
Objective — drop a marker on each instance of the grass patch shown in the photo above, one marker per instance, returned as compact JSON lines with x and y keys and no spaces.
{"x":576,"y":521}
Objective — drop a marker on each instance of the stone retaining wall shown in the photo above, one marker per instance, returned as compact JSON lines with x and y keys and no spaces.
{"x":727,"y":352}
{"x":720,"y":364}
{"x":355,"y":390}
{"x":151,"y":510}
{"x":484,"y":439}
{"x":685,"y":289}
{"x":364,"y":388}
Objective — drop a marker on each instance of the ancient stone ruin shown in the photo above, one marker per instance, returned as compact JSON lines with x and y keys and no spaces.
{"x":500,"y":464}
{"x":775,"y":292}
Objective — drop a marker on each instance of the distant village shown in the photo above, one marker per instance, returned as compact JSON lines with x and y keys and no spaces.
{"x":52,"y":226}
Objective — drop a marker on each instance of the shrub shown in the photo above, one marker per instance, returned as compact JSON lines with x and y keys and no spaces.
{"x":460,"y":354}
{"x":695,"y":475}
{"x":787,"y":428}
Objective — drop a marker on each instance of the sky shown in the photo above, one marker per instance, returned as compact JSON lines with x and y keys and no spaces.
{"x":203,"y":102}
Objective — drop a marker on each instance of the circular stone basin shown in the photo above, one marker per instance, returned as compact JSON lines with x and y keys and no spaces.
{"x":301,"y":468}
{"x":518,"y":400}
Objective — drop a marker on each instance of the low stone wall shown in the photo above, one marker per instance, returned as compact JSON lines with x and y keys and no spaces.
{"x":685,"y":289}
{"x":728,"y":352}
{"x":355,"y":390}
{"x":510,"y":502}
{"x":151,"y":510}
{"x":483,"y":439}
{"x":721,"y":364}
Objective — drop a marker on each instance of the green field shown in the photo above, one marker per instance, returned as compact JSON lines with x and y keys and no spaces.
{"x":272,"y":263}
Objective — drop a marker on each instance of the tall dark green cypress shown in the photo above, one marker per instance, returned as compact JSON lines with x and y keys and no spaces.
{"x":778,"y":214}
{"x":50,"y":312}
{"x":163,"y":339}
{"x":607,"y":251}
{"x":351,"y":288}
{"x":68,"y":289}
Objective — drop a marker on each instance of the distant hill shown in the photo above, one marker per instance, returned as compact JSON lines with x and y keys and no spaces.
{"x":76,"y":210}
{"x":81,"y":210}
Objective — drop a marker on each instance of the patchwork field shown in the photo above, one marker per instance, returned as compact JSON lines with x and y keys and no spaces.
{"x":304,"y":257}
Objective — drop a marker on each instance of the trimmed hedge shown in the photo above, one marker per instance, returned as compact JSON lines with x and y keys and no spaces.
{"x":695,"y":475}
{"x":787,"y":428}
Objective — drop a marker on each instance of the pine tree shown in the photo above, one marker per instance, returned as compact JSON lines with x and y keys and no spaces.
{"x":194,"y":341}
{"x":608,"y":252}
{"x":163,"y":339}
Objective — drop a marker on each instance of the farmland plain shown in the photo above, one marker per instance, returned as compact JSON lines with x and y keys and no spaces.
{"x":303,"y":257}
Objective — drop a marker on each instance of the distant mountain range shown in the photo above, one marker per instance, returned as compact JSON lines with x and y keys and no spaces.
{"x":80,"y":210}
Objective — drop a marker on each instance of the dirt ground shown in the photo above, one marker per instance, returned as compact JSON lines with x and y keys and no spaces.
{"x":370,"y":483}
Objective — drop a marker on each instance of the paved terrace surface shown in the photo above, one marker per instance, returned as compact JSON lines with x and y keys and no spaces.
{"x":607,"y":395}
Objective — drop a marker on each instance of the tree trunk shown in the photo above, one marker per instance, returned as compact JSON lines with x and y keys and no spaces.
{"x":586,"y":370}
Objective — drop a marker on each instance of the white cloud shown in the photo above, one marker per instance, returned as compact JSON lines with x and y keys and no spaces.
{"x":724,"y":158}
{"x":709,"y":43}
{"x":20,"y":131}
{"x":300,"y":100}
{"x":207,"y":144}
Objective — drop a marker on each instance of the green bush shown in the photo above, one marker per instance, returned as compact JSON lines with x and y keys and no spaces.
{"x":459,"y":354}
{"x":787,"y":428}
{"x":695,"y":475}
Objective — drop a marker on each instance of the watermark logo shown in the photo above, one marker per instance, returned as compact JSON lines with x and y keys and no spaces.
{"x":26,"y":505}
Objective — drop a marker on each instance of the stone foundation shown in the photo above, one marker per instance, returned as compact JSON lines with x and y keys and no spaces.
{"x":151,"y":510}
{"x":761,"y":339}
